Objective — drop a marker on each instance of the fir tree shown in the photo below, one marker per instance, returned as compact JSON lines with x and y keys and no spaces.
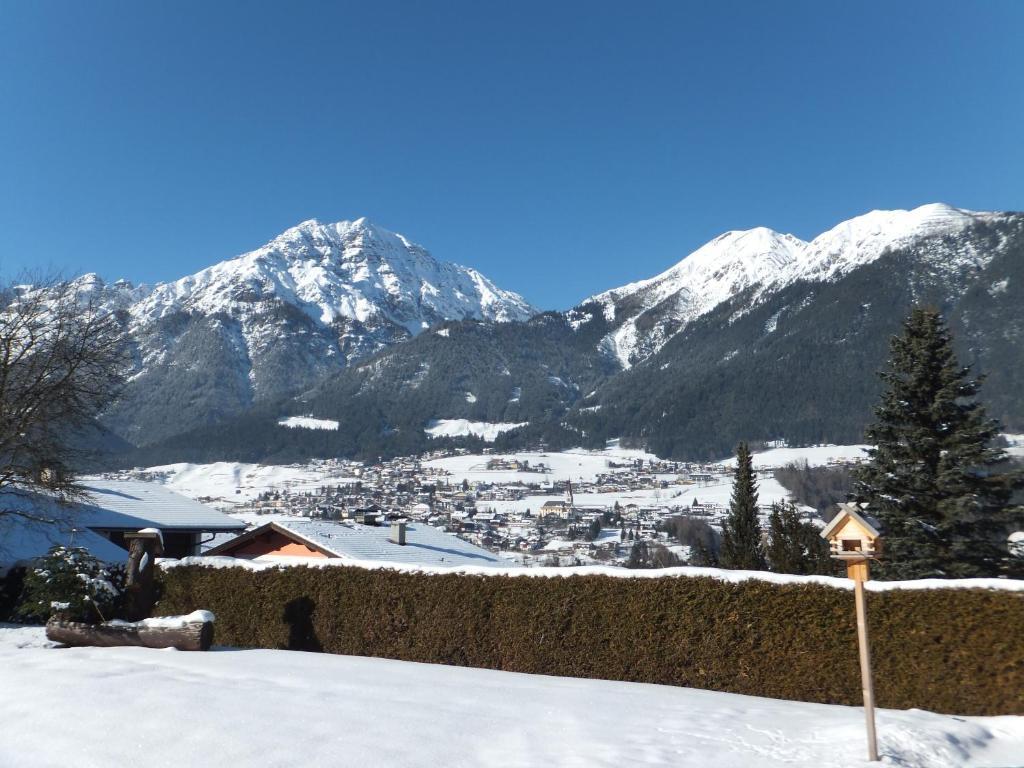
{"x":795,"y":546}
{"x":933,"y":479}
{"x":741,"y":532}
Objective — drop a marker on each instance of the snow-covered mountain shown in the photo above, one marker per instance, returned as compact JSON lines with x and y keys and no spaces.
{"x":347,"y":271}
{"x":278,"y":319}
{"x":757,"y":335}
{"x":647,"y":314}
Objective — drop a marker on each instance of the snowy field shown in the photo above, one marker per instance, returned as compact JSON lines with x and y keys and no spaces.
{"x":100,"y":707}
{"x":769,"y":491}
{"x":308,"y":422}
{"x":230,"y":482}
{"x":815,"y":456}
{"x":486,"y":430}
{"x":575,"y":465}
{"x":1016,"y":445}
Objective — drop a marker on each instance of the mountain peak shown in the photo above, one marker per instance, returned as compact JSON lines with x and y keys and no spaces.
{"x":862,"y":239}
{"x":763,"y":260}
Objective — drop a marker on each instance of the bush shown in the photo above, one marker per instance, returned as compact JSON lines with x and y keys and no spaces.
{"x":11,"y":585}
{"x":73,"y":584}
{"x":948,"y":650}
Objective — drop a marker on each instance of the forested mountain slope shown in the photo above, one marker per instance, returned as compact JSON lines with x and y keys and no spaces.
{"x":762,"y":337}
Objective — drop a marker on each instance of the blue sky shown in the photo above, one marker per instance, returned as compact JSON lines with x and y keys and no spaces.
{"x":560,"y":148}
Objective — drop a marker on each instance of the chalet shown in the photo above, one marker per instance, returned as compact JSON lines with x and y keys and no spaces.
{"x":100,"y":520}
{"x":401,"y":542}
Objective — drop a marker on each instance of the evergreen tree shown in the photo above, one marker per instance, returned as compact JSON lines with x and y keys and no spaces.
{"x":795,"y":546}
{"x":933,"y":479}
{"x":741,"y":532}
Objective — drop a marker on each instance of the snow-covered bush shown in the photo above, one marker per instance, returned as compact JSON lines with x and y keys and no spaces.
{"x":73,"y":584}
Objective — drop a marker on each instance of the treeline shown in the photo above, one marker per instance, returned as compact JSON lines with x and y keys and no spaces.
{"x":818,"y":487}
{"x":725,"y":378}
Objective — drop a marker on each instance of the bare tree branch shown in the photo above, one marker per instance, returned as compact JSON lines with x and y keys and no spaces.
{"x":63,"y":360}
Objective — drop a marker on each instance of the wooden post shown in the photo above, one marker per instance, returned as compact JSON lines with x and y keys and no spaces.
{"x":140,"y":593}
{"x":858,"y":571}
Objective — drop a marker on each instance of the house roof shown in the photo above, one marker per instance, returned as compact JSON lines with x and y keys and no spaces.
{"x":851,"y":511}
{"x":132,"y":504}
{"x":122,"y":505}
{"x":127,"y":505}
{"x":424,"y":545}
{"x":23,"y":539}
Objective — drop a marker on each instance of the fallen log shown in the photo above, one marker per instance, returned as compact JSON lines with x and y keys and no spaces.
{"x":185,"y":633}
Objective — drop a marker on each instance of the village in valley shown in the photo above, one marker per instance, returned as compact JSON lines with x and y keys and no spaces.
{"x":532,"y":508}
{"x":508,"y":385}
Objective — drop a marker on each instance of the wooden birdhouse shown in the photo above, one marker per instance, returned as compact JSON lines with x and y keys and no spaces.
{"x":853,"y":535}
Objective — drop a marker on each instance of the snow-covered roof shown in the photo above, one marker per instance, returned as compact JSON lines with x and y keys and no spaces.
{"x":125,"y":505}
{"x":847,"y":511}
{"x":424,"y":545}
{"x":22,"y":539}
{"x":132,"y":504}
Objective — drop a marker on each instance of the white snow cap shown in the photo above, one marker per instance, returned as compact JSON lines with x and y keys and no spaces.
{"x":765,"y":260}
{"x":346,"y":269}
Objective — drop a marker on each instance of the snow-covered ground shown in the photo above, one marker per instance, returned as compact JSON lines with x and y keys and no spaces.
{"x":308,"y":422}
{"x":286,"y":708}
{"x":577,"y":464}
{"x":487,"y":430}
{"x":231,"y":482}
{"x":1016,"y":445}
{"x":769,"y":491}
{"x":815,"y":456}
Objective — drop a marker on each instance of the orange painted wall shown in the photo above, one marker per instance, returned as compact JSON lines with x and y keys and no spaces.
{"x":273,"y":543}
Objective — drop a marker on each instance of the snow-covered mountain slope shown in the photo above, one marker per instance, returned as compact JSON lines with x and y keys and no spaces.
{"x":347,"y":271}
{"x":863,"y":239}
{"x":648,"y":313}
{"x":280,"y":318}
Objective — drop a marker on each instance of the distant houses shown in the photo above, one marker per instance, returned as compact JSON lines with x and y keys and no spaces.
{"x":399,"y":542}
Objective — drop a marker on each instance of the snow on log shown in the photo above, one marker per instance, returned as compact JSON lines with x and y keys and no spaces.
{"x":184,"y":633}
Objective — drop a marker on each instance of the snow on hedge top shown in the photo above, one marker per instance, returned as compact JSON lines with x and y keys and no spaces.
{"x":721,"y":574}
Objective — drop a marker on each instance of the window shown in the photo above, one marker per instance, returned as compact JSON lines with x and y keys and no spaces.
{"x":851,"y":545}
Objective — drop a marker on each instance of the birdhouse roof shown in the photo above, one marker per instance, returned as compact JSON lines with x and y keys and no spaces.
{"x":851,"y":512}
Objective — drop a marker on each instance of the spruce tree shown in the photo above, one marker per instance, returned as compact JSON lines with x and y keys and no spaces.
{"x":794,"y":545}
{"x":741,"y":532}
{"x":933,"y":478}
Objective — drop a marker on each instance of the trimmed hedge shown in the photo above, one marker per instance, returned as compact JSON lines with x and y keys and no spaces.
{"x":954,"y":650}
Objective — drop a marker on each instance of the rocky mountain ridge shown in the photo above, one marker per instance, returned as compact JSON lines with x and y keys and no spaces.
{"x":281,"y":318}
{"x":755,"y":336}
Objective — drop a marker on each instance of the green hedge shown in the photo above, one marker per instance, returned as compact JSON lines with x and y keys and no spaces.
{"x":947,"y":650}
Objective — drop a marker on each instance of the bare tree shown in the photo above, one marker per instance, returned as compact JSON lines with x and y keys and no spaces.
{"x":63,"y":359}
